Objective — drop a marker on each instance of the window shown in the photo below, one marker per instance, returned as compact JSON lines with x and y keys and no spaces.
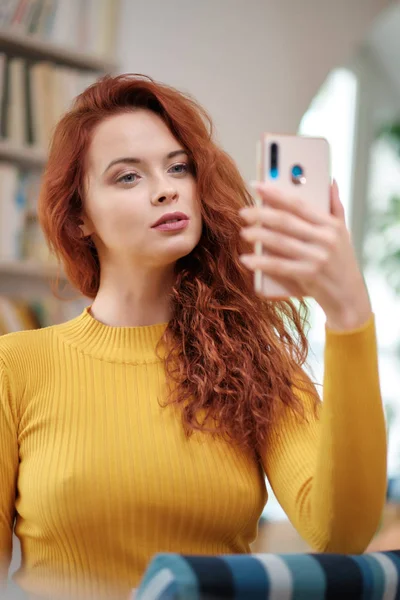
{"x":331,"y":115}
{"x":385,"y":182}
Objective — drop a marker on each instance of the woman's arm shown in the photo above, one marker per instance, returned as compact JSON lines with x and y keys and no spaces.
{"x":8,"y":472}
{"x":329,"y":473}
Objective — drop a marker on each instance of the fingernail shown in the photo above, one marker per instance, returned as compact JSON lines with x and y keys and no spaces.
{"x":244,"y":259}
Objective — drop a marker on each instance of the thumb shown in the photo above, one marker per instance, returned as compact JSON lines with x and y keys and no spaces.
{"x":337,"y":209}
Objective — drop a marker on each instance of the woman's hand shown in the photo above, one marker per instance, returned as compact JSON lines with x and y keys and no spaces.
{"x":310,"y":252}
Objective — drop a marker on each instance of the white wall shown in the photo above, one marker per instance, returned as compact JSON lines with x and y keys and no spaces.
{"x":254,"y":64}
{"x":384,"y":40}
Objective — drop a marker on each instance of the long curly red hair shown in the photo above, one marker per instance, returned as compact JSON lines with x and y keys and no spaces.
{"x":234,"y":357}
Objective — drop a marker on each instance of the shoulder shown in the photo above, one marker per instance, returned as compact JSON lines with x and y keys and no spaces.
{"x":21,"y":340}
{"x":21,"y":347}
{"x":25,"y":361}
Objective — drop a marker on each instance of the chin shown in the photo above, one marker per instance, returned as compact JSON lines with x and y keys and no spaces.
{"x":174,"y":257}
{"x":178,"y":250}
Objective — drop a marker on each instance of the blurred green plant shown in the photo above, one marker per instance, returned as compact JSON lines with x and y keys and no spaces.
{"x":387,"y":223}
{"x":391,"y":131}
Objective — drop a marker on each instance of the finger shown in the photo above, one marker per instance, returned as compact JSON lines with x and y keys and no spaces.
{"x":293,"y":288}
{"x":293,"y":204}
{"x":337,"y":208}
{"x":278,"y":220}
{"x":280,"y":267}
{"x":284,"y":245}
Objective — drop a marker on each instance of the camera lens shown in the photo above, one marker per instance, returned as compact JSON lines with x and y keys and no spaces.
{"x":274,"y":156}
{"x":274,"y":160}
{"x":297,"y":174}
{"x":297,"y":171}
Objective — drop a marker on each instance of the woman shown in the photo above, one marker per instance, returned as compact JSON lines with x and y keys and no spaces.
{"x":148,"y":423}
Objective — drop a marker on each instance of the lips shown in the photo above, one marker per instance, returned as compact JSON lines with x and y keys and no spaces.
{"x":176,"y":216}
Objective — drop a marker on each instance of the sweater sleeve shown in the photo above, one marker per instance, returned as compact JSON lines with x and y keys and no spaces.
{"x":8,"y":471}
{"x":328,"y":471}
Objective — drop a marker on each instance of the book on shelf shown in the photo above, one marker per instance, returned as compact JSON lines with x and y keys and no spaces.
{"x":87,"y":25}
{"x":50,"y":311}
{"x":21,"y":315}
{"x":21,"y":237}
{"x":16,"y":315}
{"x":33,"y":97}
{"x":11,"y":212}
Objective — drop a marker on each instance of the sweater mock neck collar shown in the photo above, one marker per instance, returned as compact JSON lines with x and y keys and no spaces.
{"x":114,"y":344}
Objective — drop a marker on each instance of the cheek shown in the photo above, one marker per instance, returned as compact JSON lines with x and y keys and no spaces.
{"x":127,"y":214}
{"x":195,"y":206}
{"x":197,"y":226}
{"x":199,"y":229}
{"x":118,"y":214}
{"x":197,"y":214}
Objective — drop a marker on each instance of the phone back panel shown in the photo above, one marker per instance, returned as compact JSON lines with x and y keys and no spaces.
{"x":295,"y":153}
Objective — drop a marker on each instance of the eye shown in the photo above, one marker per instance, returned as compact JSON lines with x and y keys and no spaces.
{"x":128,"y":178}
{"x":179,"y":168}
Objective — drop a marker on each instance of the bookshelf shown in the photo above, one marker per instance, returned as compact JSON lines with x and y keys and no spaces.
{"x":23,"y":156}
{"x":29,"y":279}
{"x":30,"y":268}
{"x":50,"y":51}
{"x":28,"y":46}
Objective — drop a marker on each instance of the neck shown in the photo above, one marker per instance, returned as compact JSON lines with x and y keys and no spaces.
{"x":133,"y":297}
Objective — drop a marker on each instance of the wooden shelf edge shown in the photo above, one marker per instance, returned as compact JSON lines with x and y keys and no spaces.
{"x":30,"y":268}
{"x":38,"y":49}
{"x":23,"y":155}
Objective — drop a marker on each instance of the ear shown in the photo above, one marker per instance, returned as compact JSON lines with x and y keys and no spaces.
{"x":85,"y":226}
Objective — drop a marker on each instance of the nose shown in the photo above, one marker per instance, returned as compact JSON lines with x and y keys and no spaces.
{"x":165,"y":194}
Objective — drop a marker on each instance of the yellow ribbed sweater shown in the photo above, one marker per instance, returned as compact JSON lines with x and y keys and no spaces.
{"x":100,"y":478}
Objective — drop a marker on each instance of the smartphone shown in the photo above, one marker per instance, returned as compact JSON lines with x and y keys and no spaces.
{"x":299,"y":166}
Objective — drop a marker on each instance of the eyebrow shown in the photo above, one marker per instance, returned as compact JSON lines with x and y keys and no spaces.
{"x":131,"y":160}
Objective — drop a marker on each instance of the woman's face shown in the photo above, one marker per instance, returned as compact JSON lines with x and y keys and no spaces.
{"x":137,"y":172}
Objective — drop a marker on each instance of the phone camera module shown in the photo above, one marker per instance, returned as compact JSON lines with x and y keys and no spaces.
{"x":274,"y":166}
{"x":297,"y":175}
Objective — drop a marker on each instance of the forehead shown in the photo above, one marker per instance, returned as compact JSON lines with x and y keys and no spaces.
{"x":140,"y":133}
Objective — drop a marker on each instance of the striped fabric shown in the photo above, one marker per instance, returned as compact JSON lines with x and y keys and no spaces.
{"x":273,"y":577}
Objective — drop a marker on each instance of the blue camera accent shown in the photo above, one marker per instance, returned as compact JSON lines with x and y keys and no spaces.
{"x":273,"y":173}
{"x":297,"y":171}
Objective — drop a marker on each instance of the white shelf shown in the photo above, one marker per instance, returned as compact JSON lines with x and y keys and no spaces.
{"x":29,"y":268}
{"x":30,"y":279}
{"x":24,"y":156}
{"x":37,"y":49}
